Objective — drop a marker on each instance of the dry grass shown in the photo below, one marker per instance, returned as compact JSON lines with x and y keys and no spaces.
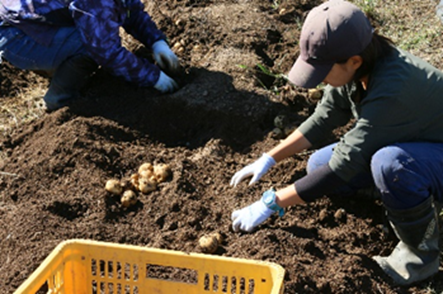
{"x":21,"y":108}
{"x":412,"y":24}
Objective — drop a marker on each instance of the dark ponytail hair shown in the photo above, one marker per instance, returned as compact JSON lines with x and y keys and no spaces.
{"x":379,"y":47}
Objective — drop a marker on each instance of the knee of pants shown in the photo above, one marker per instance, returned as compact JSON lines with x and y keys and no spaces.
{"x":319,"y":158}
{"x":314,"y":162}
{"x":385,"y":162}
{"x":395,"y":174}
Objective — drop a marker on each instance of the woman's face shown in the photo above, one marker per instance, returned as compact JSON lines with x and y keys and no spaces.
{"x":343,"y":73}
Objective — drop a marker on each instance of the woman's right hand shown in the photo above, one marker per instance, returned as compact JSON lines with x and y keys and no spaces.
{"x":256,"y":170}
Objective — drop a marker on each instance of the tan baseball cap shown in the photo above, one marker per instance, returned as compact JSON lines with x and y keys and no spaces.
{"x":332,"y":32}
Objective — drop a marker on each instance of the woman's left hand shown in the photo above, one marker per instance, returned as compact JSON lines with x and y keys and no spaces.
{"x":249,"y":217}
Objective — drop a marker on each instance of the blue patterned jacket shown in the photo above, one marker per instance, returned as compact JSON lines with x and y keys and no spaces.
{"x":98,"y":22}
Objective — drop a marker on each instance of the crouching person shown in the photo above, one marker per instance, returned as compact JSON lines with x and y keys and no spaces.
{"x":69,"y":39}
{"x":395,"y":146}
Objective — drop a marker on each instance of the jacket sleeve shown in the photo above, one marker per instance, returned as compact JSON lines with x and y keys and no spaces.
{"x":99,"y":22}
{"x":332,"y":111}
{"x":140,"y":25}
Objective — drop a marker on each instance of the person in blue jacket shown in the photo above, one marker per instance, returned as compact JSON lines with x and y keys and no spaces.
{"x":70,"y":39}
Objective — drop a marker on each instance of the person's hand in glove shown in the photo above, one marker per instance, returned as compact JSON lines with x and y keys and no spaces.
{"x":164,"y":56}
{"x":256,"y":169}
{"x":165,"y":84}
{"x":249,"y":217}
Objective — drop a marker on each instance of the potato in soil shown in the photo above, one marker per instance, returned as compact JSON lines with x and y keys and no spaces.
{"x":134,"y":181}
{"x":114,"y":186}
{"x":147,"y":185}
{"x":162,"y":172}
{"x":129,"y":198}
{"x":145,"y":166}
{"x":147,"y":174}
{"x":209,"y":243}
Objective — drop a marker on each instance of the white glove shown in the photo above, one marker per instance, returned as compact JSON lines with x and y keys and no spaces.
{"x":257,"y":169}
{"x":247,"y":218}
{"x":165,"y":84}
{"x":164,"y":56}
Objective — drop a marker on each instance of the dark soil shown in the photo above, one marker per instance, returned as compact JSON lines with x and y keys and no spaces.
{"x":52,"y":180}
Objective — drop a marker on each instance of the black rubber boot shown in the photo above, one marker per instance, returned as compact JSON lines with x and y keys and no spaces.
{"x":416,"y":256}
{"x":67,"y":81}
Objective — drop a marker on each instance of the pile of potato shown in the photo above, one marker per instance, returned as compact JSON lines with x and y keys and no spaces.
{"x":145,"y":180}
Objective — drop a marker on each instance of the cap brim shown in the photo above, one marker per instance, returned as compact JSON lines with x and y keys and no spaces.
{"x":306,"y":75}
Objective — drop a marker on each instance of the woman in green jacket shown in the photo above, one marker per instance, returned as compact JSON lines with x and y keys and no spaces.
{"x":396,"y":144}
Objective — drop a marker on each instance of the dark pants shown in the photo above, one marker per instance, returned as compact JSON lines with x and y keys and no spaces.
{"x":406,"y":173}
{"x":65,"y":58}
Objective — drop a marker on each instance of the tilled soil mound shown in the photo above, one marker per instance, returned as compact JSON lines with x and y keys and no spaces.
{"x":53,"y":176}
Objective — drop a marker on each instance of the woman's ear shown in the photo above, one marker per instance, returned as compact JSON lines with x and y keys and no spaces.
{"x":355,"y":61}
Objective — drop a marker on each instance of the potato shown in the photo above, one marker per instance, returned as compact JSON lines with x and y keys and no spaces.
{"x":162,"y":172}
{"x":277,"y":133}
{"x":280,"y":121}
{"x":208,"y":243}
{"x":114,"y":186}
{"x":134,"y":180}
{"x":315,"y":94}
{"x":129,"y":198}
{"x":145,"y":166}
{"x":218,"y":236}
{"x":147,"y":185}
{"x":146,"y":174}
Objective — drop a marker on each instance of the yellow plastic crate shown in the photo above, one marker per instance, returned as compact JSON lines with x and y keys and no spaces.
{"x":92,"y":267}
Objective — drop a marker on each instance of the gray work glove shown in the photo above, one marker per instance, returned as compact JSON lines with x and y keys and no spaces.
{"x":256,"y":170}
{"x":164,"y":56}
{"x":165,"y":84}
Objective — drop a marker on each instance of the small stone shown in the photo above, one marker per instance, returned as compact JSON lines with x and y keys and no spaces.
{"x":340,"y":214}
